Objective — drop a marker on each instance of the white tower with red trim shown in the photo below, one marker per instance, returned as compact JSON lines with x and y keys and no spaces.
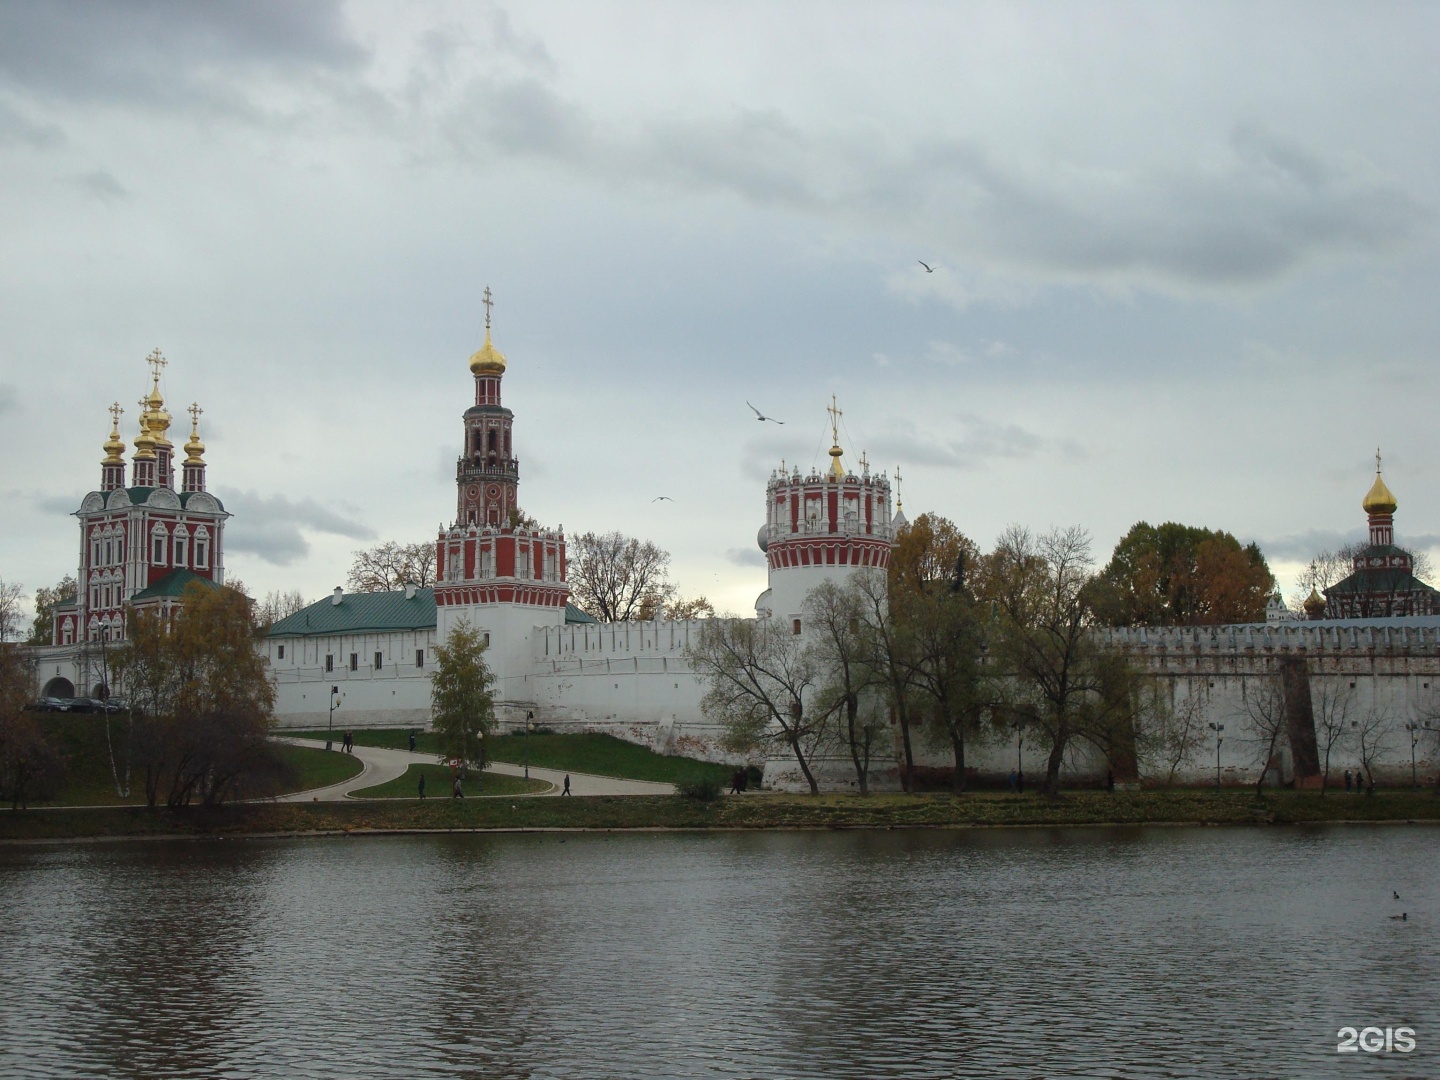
{"x":501,"y":574}
{"x":821,"y":527}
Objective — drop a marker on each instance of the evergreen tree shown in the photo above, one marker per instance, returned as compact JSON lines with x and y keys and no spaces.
{"x":461,"y":706}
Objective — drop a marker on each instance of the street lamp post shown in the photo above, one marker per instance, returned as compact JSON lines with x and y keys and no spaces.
{"x":529,"y":727}
{"x":330,"y":727}
{"x":1019,"y":761}
{"x":1217,"y":728}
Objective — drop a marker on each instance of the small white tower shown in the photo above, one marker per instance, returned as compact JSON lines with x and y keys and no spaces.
{"x":821,"y":527}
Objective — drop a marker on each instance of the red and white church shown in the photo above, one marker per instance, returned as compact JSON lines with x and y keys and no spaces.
{"x":142,"y":542}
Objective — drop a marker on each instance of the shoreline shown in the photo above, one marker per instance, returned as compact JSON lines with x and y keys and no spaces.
{"x":752,"y":813}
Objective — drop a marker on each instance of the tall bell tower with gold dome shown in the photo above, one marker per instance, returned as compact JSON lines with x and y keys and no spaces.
{"x":488,"y":473}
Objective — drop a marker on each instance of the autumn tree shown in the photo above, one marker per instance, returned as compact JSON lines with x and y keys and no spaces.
{"x":696,"y":608}
{"x":928,"y":555}
{"x":30,"y":764}
{"x":12,"y":593}
{"x":760,"y":682}
{"x":617,"y":578}
{"x":1076,"y":689}
{"x":42,"y":631}
{"x":390,"y":566}
{"x":461,"y":706}
{"x":1182,"y":575}
{"x":277,"y":605}
{"x":848,"y":695}
{"x":204,"y":699}
{"x":888,"y":653}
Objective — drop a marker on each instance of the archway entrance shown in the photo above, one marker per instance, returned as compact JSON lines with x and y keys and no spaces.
{"x":58,"y":687}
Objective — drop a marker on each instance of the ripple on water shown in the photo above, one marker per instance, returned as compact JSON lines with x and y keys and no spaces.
{"x":1117,"y":953}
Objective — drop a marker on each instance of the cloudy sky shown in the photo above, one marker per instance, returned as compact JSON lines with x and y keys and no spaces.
{"x":1187,"y":263}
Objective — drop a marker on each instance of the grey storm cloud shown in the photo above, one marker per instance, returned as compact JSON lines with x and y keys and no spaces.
{"x":15,"y":128}
{"x":751,"y":556}
{"x":968,"y":444}
{"x":270,"y":526}
{"x":1270,"y":208}
{"x":102,"y":185}
{"x":165,"y":52}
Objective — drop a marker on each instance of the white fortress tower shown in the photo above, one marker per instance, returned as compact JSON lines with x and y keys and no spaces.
{"x":821,"y":527}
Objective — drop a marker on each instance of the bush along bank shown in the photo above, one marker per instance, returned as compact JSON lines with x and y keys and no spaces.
{"x":743,"y":812}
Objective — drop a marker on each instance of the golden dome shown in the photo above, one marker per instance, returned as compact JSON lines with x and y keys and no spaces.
{"x":837,"y":470}
{"x":488,"y":360}
{"x":144,"y":442}
{"x":194,"y":449}
{"x":114,"y":446}
{"x":1314,"y":603}
{"x":1379,"y":500}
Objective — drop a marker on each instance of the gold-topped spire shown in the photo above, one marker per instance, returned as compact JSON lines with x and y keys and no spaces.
{"x":144,"y":442}
{"x":837,"y":470}
{"x":195,"y":449}
{"x":155,"y":417}
{"x":115,"y":446}
{"x":1378,"y":500}
{"x":488,"y":360}
{"x":899,"y":501}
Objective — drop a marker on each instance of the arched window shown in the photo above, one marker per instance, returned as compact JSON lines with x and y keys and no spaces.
{"x":182,"y":546}
{"x":94,"y":592}
{"x":202,"y":548}
{"x":67,"y":632}
{"x":95,"y":550}
{"x":157,"y":546}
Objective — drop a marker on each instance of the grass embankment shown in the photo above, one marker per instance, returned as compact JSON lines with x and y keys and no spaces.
{"x":743,"y":812}
{"x":439,"y":784}
{"x":94,"y":763}
{"x":603,"y":755}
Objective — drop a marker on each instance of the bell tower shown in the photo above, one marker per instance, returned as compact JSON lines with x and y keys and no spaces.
{"x":487,"y":473}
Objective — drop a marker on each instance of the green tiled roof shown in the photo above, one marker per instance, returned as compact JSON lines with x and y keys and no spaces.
{"x":1380,"y":579}
{"x":172,"y":584}
{"x":361,"y":613}
{"x":574,"y":615}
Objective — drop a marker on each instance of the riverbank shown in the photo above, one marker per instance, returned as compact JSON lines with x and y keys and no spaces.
{"x":751,"y":811}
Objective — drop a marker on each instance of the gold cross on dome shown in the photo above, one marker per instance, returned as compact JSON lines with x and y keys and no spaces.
{"x":157,"y":363}
{"x":488,"y":302}
{"x":899,"y":502}
{"x":835,"y":414}
{"x":115,"y":413}
{"x":1377,"y":461}
{"x":195,"y":412}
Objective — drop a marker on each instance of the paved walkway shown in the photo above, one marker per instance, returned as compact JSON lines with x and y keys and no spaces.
{"x":382,"y":766}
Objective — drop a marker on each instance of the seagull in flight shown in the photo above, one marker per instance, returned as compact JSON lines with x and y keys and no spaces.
{"x":928,"y":268}
{"x":761,"y":416}
{"x":659,"y":498}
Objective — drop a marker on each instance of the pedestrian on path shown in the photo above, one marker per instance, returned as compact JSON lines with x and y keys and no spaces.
{"x":1012,"y":780}
{"x":1110,"y":781}
{"x":567,"y":785}
{"x":422,"y":785}
{"x":412,"y":740}
{"x":458,"y":793}
{"x":736,"y":779}
{"x":1347,"y":781}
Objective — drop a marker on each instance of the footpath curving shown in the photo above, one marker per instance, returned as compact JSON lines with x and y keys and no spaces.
{"x":382,"y":765}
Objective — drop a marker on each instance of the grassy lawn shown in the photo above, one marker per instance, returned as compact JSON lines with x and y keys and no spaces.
{"x":762,"y":811}
{"x":88,"y":755}
{"x":603,"y":755}
{"x":438,"y":785}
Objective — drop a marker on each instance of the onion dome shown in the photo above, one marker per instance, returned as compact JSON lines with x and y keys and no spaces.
{"x":837,"y":470}
{"x":155,"y":417}
{"x":1379,"y":500}
{"x":114,"y":446}
{"x":144,"y":442}
{"x":1314,"y":604}
{"x":763,"y":538}
{"x":194,"y":448}
{"x":488,"y":360}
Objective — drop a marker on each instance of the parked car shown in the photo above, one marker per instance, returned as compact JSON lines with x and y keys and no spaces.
{"x":51,"y":704}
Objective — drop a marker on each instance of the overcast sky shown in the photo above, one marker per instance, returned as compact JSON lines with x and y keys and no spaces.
{"x":1187,"y":264}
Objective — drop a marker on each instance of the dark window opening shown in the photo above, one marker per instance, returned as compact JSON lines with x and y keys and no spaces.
{"x":329,"y":662}
{"x":354,"y":661}
{"x":419,"y":657}
{"x":377,"y":661}
{"x":280,"y":652}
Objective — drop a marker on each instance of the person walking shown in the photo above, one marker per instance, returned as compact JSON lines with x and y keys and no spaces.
{"x":458,"y":793}
{"x":422,"y":785}
{"x":1347,"y":781}
{"x":1012,"y":780}
{"x":1110,"y":781}
{"x":412,"y":740}
{"x":567,"y":785}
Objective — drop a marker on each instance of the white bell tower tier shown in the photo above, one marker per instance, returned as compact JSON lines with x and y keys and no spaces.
{"x":821,"y":527}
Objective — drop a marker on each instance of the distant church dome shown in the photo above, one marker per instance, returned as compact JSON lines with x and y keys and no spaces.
{"x":489,"y":360}
{"x":1314,"y":604}
{"x":1379,"y":500}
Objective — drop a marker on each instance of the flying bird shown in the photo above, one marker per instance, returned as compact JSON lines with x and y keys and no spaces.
{"x":761,"y":416}
{"x":928,"y":268}
{"x":660,"y":498}
{"x":1395,"y":894}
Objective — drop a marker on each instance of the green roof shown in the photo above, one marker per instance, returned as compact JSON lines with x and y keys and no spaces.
{"x":172,"y":584}
{"x":361,"y":613}
{"x":1380,"y":579}
{"x":574,"y":615}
